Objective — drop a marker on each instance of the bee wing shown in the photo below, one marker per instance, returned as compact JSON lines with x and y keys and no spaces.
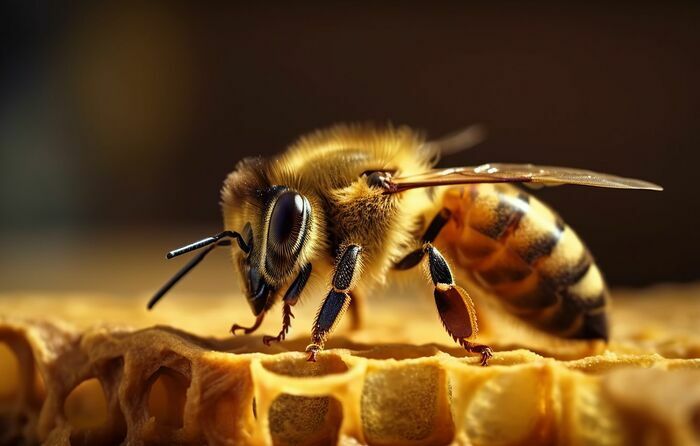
{"x":529,"y":174}
{"x":458,"y":141}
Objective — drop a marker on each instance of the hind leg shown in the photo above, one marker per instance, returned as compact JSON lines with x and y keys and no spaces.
{"x":454,"y":305}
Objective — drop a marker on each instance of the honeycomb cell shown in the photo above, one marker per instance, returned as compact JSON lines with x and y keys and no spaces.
{"x":304,"y":420}
{"x":85,"y":410}
{"x":513,"y":406}
{"x":9,"y":370}
{"x":166,"y":400}
{"x":406,"y":403}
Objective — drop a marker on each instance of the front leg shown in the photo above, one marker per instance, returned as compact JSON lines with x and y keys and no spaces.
{"x":291,"y":297}
{"x":337,"y":300}
{"x":454,"y":305}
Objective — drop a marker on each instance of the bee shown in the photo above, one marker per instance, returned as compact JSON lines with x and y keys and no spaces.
{"x":352,"y":203}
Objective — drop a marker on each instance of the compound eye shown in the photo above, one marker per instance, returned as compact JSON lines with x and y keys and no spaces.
{"x":287,"y":222}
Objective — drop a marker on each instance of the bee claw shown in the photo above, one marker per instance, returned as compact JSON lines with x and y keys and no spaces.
{"x":252,"y":328}
{"x":268,"y":340}
{"x":486,"y":354}
{"x":484,"y":350}
{"x":246,"y":330}
{"x":312,"y":350}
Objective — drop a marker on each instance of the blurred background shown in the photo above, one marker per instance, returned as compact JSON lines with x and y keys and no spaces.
{"x":118,"y":121}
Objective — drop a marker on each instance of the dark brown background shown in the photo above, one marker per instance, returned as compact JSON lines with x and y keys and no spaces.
{"x":128,"y":116}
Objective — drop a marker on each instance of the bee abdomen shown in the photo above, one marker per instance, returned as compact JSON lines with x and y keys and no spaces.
{"x":520,"y":250}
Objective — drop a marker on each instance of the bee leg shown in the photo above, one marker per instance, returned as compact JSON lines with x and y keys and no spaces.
{"x":454,"y":305}
{"x":252,"y":328}
{"x":436,"y":224}
{"x":291,"y":297}
{"x":287,"y":316}
{"x":332,"y":309}
{"x":337,"y":300}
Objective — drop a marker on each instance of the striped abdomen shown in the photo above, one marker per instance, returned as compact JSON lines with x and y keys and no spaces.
{"x":519,"y":249}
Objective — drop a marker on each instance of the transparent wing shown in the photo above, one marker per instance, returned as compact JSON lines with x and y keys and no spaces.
{"x":458,"y":141}
{"x":529,"y":174}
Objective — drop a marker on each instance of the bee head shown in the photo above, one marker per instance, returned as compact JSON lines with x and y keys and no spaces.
{"x":275,"y":222}
{"x":282,"y":231}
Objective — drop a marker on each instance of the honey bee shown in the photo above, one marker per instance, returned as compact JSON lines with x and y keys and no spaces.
{"x":354,"y":202}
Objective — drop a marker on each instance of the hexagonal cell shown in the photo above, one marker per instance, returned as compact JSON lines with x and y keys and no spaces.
{"x":16,"y":364}
{"x":406,"y":404}
{"x":85,"y":407}
{"x":305,"y":420}
{"x":10,"y":372}
{"x":512,"y":407}
{"x":87,"y":411}
{"x":167,"y":397}
{"x":22,"y":390}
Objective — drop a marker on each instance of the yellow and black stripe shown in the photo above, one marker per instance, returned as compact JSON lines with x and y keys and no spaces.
{"x":519,"y":249}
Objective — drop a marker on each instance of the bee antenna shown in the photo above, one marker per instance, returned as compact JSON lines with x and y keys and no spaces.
{"x":209,"y":242}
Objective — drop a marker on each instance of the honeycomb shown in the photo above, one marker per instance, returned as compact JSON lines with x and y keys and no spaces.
{"x":107,"y":383}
